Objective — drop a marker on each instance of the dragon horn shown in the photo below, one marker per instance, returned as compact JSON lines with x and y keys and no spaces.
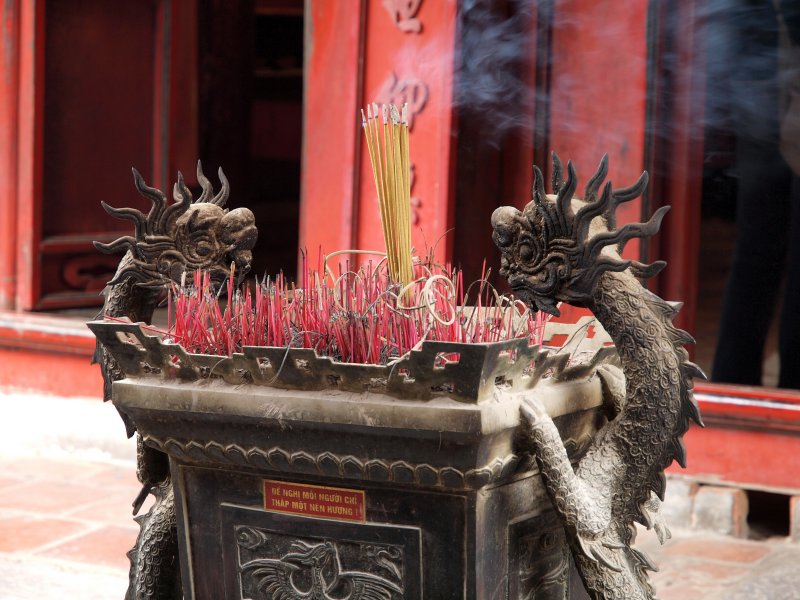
{"x":558,"y":173}
{"x":597,"y":180}
{"x":208,"y":189}
{"x":222,"y":197}
{"x":156,"y":196}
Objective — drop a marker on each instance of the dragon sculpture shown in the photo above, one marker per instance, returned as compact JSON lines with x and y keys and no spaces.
{"x":562,"y":249}
{"x":171,"y":240}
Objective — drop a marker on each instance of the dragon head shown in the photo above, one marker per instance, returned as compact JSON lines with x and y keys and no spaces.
{"x":316,"y":555}
{"x":552,"y":254}
{"x":173,"y":239}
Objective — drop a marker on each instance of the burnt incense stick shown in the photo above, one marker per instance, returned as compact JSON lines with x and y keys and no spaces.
{"x":388,"y":149}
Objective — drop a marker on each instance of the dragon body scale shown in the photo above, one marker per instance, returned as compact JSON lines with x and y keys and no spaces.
{"x":562,"y":249}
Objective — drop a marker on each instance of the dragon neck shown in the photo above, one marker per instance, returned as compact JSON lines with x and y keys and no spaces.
{"x":658,"y":385}
{"x":127,"y":300}
{"x":319,"y":585}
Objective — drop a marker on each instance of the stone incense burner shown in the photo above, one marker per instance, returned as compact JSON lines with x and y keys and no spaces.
{"x":508,"y":472}
{"x":408,"y":477}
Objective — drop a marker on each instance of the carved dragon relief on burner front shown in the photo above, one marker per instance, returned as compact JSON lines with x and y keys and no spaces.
{"x":171,"y":240}
{"x":563,"y":249}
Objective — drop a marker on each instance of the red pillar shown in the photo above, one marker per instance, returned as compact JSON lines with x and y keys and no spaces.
{"x":9,"y":88}
{"x":376,"y":52}
{"x":30,"y":153}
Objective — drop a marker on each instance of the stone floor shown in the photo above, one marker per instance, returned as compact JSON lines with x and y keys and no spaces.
{"x":65,"y":526}
{"x":65,"y":518}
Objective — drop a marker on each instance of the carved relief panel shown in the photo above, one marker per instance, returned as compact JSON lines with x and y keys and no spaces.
{"x":273,"y":564}
{"x":269,"y":555}
{"x":404,"y":14}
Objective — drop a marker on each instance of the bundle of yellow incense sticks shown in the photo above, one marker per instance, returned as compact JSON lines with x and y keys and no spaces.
{"x":387,"y":144}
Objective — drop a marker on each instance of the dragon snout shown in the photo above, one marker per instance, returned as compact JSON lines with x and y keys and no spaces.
{"x":238,"y":228}
{"x":504,"y":223}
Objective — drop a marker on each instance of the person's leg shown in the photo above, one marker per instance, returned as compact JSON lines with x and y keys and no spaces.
{"x":763,"y":195}
{"x":752,"y":287}
{"x":789,"y":345}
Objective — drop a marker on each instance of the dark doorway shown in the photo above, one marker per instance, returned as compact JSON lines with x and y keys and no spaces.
{"x":251,"y":104}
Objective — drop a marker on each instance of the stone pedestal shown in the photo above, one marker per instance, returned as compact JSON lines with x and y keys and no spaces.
{"x":351,"y":491}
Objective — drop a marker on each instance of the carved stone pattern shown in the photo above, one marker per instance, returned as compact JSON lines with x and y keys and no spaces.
{"x":539,"y":560}
{"x":329,"y":464}
{"x":415,"y":376}
{"x":275,"y":566}
{"x":403,"y":13}
{"x":411,"y":91}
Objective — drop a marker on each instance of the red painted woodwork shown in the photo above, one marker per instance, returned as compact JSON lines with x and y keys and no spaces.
{"x":63,"y":375}
{"x":597,"y":94}
{"x":753,"y":443}
{"x":65,"y":129}
{"x":751,"y":438}
{"x":520,"y":152}
{"x":677,"y":151}
{"x":174,"y":92}
{"x":30,"y":152}
{"x":9,"y":86}
{"x":331,"y":142}
{"x":338,"y":209}
{"x":756,"y":459}
{"x":47,"y":354}
{"x":84,"y":134}
{"x":417,"y":68}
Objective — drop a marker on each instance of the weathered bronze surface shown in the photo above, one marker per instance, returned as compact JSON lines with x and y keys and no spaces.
{"x":561,"y":249}
{"x":453,"y":508}
{"x":441,"y":459}
{"x":171,"y":240}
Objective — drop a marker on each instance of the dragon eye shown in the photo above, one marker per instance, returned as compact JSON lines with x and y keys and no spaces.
{"x":525,"y":252}
{"x":203,"y":250}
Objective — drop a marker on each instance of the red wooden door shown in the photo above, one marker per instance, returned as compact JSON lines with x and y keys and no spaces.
{"x":382,"y":52}
{"x":98,"y":86}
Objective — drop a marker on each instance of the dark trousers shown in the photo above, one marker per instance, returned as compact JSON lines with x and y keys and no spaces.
{"x":767,"y":253}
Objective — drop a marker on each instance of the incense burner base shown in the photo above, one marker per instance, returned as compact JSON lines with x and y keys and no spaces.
{"x":295,"y":491}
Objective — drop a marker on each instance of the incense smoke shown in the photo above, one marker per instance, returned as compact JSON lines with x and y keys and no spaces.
{"x":500,"y":52}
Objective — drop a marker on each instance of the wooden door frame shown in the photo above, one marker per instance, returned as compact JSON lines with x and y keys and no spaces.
{"x":22,"y":117}
{"x":9,"y":106}
{"x":30,"y":147}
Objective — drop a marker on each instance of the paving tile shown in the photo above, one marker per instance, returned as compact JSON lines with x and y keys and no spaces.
{"x":106,"y":546}
{"x":61,"y":469}
{"x":9,"y":481}
{"x":111,"y":509}
{"x":117,"y":478}
{"x":50,"y":498}
{"x":23,"y":533}
{"x":775,"y":578}
{"x":682,"y":591}
{"x":719,"y":549}
{"x":32,"y":578}
{"x":703,"y":571}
